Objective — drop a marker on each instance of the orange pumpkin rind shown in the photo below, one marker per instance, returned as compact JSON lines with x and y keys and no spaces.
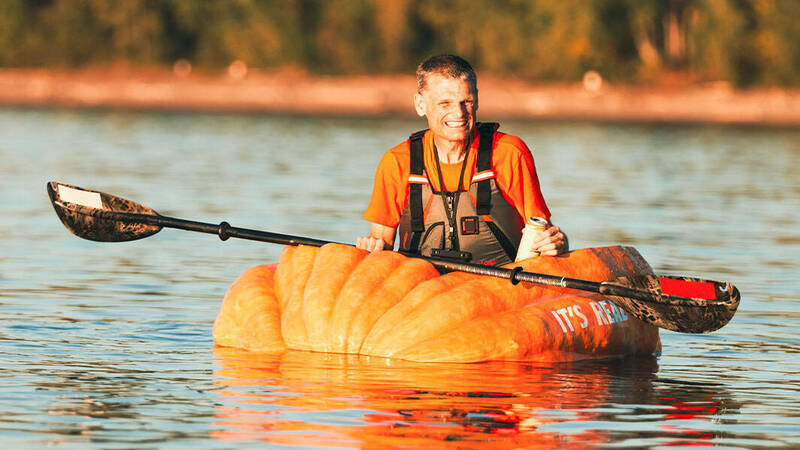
{"x":339,"y":299}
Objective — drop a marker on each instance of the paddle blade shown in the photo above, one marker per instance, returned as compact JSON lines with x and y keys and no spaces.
{"x":97,"y":216}
{"x":688,"y":305}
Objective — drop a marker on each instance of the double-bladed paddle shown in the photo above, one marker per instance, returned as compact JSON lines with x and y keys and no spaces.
{"x":689,"y":305}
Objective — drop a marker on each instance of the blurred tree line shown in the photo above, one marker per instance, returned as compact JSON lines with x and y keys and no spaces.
{"x":747,"y":42}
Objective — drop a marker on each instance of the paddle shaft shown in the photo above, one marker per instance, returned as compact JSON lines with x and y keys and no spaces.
{"x":224,"y":230}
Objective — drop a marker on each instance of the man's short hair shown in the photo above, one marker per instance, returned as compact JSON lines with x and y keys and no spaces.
{"x":448,"y":65}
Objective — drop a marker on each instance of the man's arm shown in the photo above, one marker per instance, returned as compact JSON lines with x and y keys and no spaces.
{"x":517,"y":178}
{"x":380,"y":237}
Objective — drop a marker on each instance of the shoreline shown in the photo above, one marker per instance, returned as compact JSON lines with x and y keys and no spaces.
{"x":298,"y":93}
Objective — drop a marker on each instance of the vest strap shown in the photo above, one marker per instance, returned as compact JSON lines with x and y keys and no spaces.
{"x":415,"y":191}
{"x":483,"y":201}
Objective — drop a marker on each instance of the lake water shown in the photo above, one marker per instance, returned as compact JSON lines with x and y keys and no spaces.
{"x":109,"y":345}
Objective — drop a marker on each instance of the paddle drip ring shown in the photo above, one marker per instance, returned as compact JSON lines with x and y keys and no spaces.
{"x":513,"y":277}
{"x":222,"y":231}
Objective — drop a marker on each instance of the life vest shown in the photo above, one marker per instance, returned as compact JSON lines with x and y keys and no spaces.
{"x":478,"y":225}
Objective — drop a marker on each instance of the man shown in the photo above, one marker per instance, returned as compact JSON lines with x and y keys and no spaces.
{"x":460,"y":189}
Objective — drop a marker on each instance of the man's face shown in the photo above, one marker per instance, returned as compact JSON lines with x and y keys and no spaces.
{"x":449,"y":105}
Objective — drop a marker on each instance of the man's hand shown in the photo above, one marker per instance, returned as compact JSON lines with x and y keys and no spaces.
{"x":380,"y":237}
{"x":551,"y":242}
{"x":370,"y":244}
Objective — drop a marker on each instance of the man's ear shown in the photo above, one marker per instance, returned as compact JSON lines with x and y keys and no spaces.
{"x":419,"y":104}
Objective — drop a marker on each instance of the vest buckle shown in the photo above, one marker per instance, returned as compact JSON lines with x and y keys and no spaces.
{"x":454,"y":255}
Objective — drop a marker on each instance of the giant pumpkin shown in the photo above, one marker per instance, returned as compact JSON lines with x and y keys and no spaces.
{"x":337,"y":298}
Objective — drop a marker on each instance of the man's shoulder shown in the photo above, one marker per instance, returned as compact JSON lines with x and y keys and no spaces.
{"x":401,"y":149}
{"x":397,"y":158}
{"x":397,"y":154}
{"x":510,"y":145}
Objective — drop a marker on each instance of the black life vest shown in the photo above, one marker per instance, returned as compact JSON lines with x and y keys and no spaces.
{"x":448,"y":224}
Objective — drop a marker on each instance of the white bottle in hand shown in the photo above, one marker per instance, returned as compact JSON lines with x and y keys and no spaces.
{"x":532,"y":228}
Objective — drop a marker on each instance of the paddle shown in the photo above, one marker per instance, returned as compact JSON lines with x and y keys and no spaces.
{"x":688,"y":305}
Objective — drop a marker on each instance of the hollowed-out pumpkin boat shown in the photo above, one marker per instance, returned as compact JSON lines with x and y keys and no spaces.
{"x":336,"y":298}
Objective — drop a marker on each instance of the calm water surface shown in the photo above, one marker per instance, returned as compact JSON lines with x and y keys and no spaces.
{"x":109,"y":345}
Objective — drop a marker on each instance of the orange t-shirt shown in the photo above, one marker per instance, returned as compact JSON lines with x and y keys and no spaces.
{"x":512,"y":163}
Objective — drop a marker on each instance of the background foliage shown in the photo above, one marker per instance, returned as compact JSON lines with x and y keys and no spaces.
{"x":747,"y":42}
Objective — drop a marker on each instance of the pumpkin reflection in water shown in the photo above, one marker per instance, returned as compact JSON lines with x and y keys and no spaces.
{"x":341,"y":299}
{"x":315,"y":399}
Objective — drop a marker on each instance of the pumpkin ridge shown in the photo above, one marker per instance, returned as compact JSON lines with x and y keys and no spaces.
{"x":350,"y":298}
{"x":375,"y":288}
{"x":379,"y":338}
{"x":292,"y":325}
{"x":474,"y":340}
{"x":403,"y":278}
{"x":323,"y":288}
{"x":281,"y":274}
{"x":249,"y":316}
{"x":389,"y":341}
{"x":427,"y":320}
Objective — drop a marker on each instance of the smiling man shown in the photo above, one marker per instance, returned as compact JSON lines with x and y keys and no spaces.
{"x":460,"y":189}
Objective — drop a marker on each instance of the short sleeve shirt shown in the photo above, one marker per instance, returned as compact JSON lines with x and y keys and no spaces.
{"x":512,"y":163}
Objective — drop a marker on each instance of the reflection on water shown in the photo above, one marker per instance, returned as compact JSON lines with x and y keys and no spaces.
{"x":109,"y":345}
{"x":303,"y":398}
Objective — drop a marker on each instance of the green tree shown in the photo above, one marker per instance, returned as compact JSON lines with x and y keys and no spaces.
{"x":747,"y":42}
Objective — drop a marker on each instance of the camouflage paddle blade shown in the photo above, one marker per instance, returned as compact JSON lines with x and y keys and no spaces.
{"x":688,"y":305}
{"x":97,"y":216}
